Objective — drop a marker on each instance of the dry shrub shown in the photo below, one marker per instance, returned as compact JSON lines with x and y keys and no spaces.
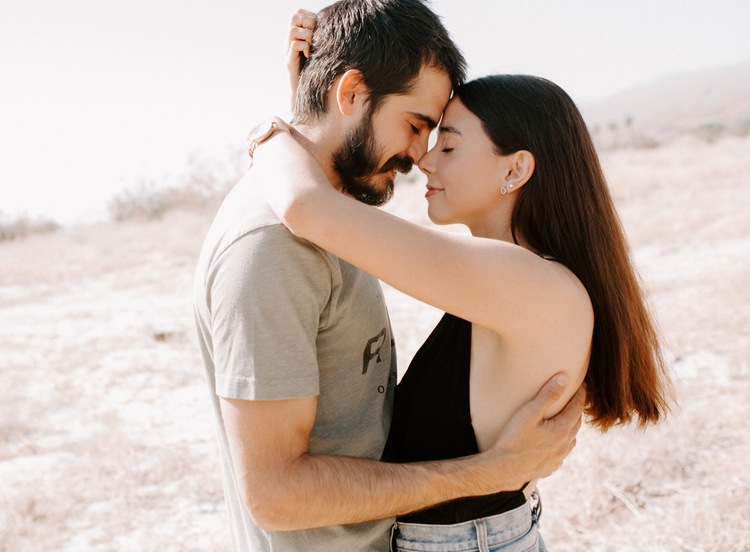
{"x":202,"y":185}
{"x":12,"y":228}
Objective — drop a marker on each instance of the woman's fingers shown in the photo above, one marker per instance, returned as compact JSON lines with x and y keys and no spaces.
{"x":299,"y":39}
{"x":303,"y":18}
{"x":301,"y":28}
{"x":299,"y":42}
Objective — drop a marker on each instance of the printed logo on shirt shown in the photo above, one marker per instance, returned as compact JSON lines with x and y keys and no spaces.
{"x":372,"y":351}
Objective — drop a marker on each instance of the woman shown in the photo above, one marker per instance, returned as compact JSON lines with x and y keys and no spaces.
{"x":544,"y":284}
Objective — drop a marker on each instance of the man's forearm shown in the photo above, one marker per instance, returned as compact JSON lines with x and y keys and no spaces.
{"x":327,"y":490}
{"x":286,"y":488}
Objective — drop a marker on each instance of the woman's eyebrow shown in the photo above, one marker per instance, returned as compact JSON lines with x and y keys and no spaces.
{"x":449,"y":129}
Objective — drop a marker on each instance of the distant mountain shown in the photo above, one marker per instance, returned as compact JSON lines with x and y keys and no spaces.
{"x":708,"y":103}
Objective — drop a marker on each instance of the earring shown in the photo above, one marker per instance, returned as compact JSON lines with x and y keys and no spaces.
{"x":503,"y":190}
{"x":510,"y":186}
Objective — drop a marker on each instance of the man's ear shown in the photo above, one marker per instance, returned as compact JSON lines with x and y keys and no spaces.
{"x":352,"y":92}
{"x":519,"y":168}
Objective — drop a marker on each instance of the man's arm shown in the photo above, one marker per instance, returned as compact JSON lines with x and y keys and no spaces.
{"x":285,"y":488}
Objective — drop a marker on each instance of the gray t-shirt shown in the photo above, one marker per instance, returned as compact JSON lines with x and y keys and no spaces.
{"x":279,"y":318}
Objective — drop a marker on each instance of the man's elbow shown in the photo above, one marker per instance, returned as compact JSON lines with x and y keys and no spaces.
{"x":270,"y":511}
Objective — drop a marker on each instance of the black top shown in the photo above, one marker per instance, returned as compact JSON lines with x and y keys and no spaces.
{"x":432,"y":420}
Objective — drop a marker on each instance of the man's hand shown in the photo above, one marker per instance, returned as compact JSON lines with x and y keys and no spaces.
{"x":531,"y":447}
{"x":299,"y":40}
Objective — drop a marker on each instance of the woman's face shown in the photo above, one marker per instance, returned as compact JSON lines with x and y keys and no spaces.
{"x":465,"y":174}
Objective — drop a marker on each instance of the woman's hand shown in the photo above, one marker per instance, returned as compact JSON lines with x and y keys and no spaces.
{"x":299,"y":41}
{"x":289,"y":177}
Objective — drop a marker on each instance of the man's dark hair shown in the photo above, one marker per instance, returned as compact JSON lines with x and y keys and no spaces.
{"x":389,"y":41}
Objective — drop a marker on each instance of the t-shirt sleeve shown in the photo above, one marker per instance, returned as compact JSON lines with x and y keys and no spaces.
{"x":267,"y":294}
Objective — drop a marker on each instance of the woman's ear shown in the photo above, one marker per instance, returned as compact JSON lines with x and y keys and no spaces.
{"x":519,"y":168}
{"x":351,"y":92}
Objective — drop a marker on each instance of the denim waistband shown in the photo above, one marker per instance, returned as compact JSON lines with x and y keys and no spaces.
{"x":492,"y":530}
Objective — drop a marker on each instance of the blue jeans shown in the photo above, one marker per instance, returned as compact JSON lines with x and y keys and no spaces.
{"x":513,"y":531}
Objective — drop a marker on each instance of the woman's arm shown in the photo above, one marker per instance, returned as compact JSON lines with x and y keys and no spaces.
{"x":489,"y":282}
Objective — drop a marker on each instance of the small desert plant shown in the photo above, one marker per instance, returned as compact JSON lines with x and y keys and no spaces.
{"x":743,"y":127}
{"x":710,"y":132}
{"x":20,"y":226}
{"x":204,"y":182}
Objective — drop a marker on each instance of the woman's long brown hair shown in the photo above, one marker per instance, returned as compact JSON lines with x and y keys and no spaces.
{"x":565,"y":210}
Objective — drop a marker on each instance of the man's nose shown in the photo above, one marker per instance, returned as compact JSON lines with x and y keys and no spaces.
{"x":418,"y":147}
{"x":425,"y":163}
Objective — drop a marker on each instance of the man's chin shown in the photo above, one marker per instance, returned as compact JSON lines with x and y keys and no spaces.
{"x":372,"y":193}
{"x":385,"y":189}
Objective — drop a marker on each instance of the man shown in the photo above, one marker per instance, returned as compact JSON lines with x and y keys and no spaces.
{"x":297,"y":343}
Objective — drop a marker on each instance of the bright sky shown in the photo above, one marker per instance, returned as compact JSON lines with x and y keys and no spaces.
{"x":95,"y":94}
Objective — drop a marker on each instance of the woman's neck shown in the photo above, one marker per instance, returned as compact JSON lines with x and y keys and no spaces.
{"x":499,"y":231}
{"x":495,"y":224}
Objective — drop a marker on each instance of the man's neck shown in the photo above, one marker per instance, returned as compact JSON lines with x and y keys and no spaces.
{"x":318,"y":141}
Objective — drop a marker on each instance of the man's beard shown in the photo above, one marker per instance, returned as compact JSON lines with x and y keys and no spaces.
{"x":356,"y":162}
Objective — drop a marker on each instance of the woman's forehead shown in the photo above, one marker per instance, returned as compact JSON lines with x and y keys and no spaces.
{"x":455,"y":117}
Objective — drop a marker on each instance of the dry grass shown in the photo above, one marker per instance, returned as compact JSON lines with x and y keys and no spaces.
{"x":107,"y":440}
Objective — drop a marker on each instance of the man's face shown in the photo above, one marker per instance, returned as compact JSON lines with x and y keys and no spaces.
{"x":357,"y":162}
{"x":392,"y":139}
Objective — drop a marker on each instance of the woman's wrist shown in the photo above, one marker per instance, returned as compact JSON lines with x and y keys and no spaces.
{"x":263,"y":132}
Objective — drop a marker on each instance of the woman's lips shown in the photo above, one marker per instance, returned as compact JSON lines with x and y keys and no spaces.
{"x":432,"y":190}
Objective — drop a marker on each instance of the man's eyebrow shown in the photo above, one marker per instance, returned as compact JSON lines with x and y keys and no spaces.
{"x":425,"y":119}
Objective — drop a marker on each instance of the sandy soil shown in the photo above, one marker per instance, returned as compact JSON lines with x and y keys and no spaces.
{"x":107,"y":440}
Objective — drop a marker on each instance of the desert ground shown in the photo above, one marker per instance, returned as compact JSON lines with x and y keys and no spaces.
{"x":107,"y":441}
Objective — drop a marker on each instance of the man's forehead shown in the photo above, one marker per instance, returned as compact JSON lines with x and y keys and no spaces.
{"x":426,"y":98}
{"x":432,"y":90}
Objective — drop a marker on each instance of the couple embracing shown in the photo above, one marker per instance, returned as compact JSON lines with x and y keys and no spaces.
{"x":320,"y":449}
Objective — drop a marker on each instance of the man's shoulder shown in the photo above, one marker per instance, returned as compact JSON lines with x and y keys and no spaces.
{"x":245,"y":221}
{"x":244,"y":209}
